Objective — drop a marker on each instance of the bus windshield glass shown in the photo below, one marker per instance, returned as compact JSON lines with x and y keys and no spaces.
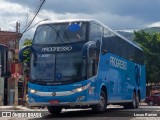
{"x":58,"y":67}
{"x":60,"y":33}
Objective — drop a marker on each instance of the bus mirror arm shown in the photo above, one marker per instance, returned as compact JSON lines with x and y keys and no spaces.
{"x":104,"y":51}
{"x":98,"y":44}
{"x":21,"y":53}
{"x":88,"y":48}
{"x":84,"y":54}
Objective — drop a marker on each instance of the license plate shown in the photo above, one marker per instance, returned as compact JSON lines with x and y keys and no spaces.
{"x":54,"y":101}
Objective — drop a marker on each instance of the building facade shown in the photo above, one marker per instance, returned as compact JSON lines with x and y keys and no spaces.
{"x":8,"y":38}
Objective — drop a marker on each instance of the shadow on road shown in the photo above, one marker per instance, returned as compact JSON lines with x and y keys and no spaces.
{"x":111,"y":112}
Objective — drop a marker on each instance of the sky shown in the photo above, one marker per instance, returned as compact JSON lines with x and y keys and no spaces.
{"x":116,"y":14}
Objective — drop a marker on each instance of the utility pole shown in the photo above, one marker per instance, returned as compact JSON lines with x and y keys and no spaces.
{"x":13,"y":81}
{"x":16,"y":62}
{"x":17,"y":39}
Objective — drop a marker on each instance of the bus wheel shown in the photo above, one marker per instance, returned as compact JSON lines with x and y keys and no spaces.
{"x":54,"y":110}
{"x":134,"y":104}
{"x":137,"y":100}
{"x":101,"y":107}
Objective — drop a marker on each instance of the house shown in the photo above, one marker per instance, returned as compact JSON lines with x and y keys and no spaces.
{"x":8,"y":38}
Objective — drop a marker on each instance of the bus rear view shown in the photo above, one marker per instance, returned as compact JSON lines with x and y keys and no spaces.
{"x":73,"y":66}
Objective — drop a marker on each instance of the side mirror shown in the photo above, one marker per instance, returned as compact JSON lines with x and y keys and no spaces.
{"x":89,"y":49}
{"x":21,"y":53}
{"x":92,"y":51}
{"x":98,"y":44}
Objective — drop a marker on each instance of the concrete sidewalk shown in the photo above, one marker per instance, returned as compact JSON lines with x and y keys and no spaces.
{"x":143,"y":104}
{"x":20,"y":107}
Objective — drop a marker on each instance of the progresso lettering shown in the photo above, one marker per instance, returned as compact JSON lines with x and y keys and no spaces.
{"x":118,"y":63}
{"x":57,"y":49}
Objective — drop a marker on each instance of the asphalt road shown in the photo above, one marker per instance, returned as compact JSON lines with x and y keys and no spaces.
{"x":112,"y":113}
{"x":144,"y":112}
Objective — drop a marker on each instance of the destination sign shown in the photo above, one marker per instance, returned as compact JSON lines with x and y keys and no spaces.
{"x":57,"y":49}
{"x":118,"y":63}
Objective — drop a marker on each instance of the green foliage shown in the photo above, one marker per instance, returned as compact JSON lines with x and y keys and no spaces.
{"x":26,"y":53}
{"x":150,"y":43}
{"x":27,"y":42}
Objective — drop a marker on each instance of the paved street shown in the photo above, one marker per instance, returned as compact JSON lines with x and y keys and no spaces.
{"x":113,"y":112}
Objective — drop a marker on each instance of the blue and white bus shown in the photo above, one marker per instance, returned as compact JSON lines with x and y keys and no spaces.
{"x":84,"y":64}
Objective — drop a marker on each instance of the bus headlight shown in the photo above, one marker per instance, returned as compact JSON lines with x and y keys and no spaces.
{"x":32,"y":90}
{"x":81,"y":88}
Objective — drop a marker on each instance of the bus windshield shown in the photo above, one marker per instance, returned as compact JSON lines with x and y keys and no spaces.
{"x":58,"y":67}
{"x":60,"y":33}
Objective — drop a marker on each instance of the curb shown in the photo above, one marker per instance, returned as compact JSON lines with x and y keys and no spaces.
{"x":14,"y":108}
{"x":143,"y":104}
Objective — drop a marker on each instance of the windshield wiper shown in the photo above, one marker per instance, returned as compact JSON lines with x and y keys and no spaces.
{"x":41,"y":80}
{"x":66,"y":35}
{"x":56,"y":32}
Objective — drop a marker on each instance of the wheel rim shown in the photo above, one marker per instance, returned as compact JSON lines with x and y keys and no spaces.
{"x":102,"y":102}
{"x":137,"y":100}
{"x":134,"y":100}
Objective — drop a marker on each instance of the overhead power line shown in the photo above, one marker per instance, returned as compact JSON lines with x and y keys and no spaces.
{"x":38,"y":8}
{"x":31,"y":13}
{"x":36,"y":24}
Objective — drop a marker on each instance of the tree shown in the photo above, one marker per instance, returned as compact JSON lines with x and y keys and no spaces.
{"x":150,"y":43}
{"x":26,"y":53}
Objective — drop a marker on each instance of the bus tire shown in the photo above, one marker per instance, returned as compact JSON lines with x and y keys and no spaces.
{"x":137,"y":100}
{"x":134,"y":104}
{"x":54,"y":110}
{"x":101,"y":107}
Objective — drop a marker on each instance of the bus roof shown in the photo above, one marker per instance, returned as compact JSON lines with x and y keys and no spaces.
{"x":68,"y":20}
{"x":96,"y":21}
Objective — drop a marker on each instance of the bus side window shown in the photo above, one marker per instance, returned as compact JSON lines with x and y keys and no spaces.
{"x":95,"y":32}
{"x":107,"y":41}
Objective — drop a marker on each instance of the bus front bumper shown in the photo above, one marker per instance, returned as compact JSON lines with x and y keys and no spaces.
{"x":70,"y":98}
{"x":65,"y":104}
